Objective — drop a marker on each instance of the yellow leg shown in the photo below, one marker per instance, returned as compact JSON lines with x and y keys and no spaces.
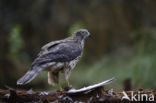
{"x":59,"y":87}
{"x":68,"y":84}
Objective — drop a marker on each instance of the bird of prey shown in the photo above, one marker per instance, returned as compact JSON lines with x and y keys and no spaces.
{"x":57,"y":56}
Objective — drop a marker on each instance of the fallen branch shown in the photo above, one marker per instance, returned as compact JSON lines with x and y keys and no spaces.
{"x":95,"y":93}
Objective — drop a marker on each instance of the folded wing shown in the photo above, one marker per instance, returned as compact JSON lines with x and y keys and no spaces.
{"x":61,"y":52}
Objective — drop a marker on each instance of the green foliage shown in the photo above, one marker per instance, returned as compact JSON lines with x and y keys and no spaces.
{"x":15,"y":41}
{"x":140,"y":69}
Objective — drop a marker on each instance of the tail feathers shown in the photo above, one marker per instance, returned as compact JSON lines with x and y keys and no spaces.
{"x":29,"y":76}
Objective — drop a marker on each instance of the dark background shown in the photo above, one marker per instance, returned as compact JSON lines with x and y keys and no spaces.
{"x":123,"y":42}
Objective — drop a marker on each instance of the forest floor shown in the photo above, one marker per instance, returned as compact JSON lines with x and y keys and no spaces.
{"x":91,"y":94}
{"x":97,"y":95}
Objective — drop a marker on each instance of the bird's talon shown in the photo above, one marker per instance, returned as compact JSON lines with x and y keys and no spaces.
{"x":68,"y":84}
{"x":67,"y":88}
{"x":60,"y":88}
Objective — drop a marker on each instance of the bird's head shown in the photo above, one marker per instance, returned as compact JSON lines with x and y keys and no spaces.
{"x":81,"y":34}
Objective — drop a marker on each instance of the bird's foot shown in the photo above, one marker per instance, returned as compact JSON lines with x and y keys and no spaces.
{"x":67,"y":88}
{"x":68,"y":84}
{"x":59,"y":87}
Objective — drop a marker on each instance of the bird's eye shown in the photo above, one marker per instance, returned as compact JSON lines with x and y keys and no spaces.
{"x":83,"y":32}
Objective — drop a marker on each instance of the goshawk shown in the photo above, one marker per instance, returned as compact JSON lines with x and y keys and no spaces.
{"x":57,"y":56}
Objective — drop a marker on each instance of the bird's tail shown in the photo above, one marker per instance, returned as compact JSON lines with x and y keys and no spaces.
{"x":30,"y":75}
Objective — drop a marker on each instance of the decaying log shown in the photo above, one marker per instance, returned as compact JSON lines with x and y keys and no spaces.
{"x":95,"y":93}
